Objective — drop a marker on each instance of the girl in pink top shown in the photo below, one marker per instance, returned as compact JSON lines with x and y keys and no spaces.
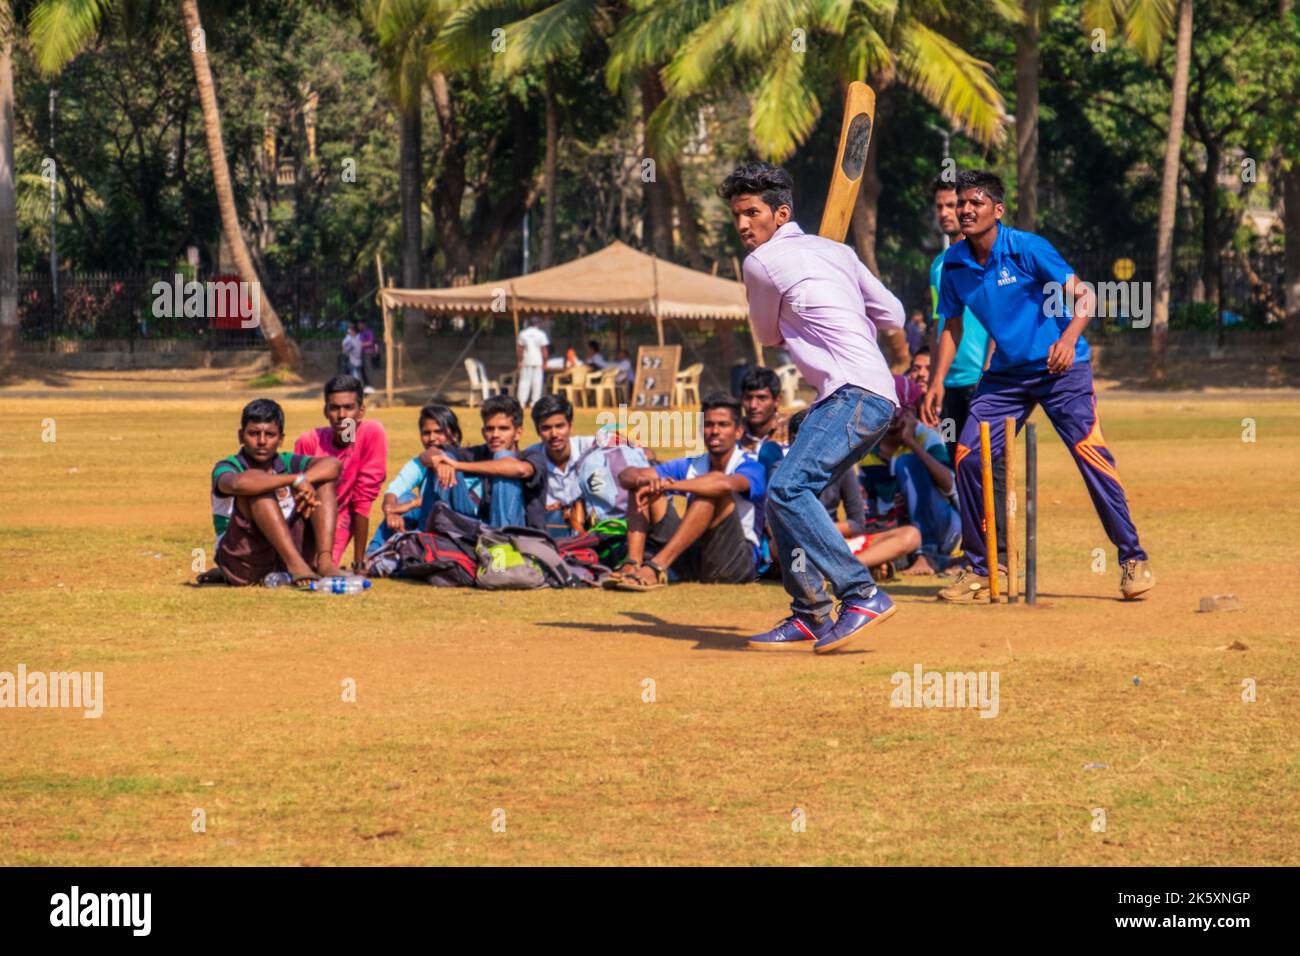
{"x":362,"y":450}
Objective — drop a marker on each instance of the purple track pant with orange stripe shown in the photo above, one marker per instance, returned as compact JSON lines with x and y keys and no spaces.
{"x":1070,"y":401}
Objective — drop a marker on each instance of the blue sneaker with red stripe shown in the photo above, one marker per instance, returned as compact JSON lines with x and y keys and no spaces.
{"x":856,"y":615}
{"x":795,"y":631}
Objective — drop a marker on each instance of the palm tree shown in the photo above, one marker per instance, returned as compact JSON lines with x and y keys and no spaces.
{"x":1027,"y":74}
{"x":1291,"y":222}
{"x":549,"y":32}
{"x":536,"y":32}
{"x":711,"y":44}
{"x":8,"y":197}
{"x":60,"y":29}
{"x":404,"y":30}
{"x":1146,"y":24}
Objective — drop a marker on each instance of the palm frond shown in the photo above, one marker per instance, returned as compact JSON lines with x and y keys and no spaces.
{"x":785,"y":108}
{"x":1146,"y":24}
{"x":555,"y":32}
{"x":1104,"y":15}
{"x":652,"y":33}
{"x":60,"y":29}
{"x":465,"y":40}
{"x":956,"y":83}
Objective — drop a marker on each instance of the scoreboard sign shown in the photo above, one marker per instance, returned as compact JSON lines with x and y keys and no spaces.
{"x":656,"y":376}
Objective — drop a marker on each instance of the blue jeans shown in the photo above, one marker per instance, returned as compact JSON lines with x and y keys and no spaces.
{"x":927,"y":507}
{"x":506,"y":498}
{"x":836,"y":434}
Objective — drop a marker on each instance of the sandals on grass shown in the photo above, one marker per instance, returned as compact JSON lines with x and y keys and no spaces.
{"x":633,"y":582}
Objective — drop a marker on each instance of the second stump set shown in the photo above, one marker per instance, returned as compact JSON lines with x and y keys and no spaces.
{"x":1012,"y":502}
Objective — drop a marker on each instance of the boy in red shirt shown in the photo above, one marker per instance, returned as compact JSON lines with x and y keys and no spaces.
{"x":362,"y":450}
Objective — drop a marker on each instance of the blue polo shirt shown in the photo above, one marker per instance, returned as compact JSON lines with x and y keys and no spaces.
{"x":1007,"y":295}
{"x":968,"y":364}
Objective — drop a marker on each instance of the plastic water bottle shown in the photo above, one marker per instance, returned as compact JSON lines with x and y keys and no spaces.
{"x":277,"y":579}
{"x":340,"y":584}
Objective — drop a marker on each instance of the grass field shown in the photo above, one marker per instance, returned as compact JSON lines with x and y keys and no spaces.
{"x":469,"y":704}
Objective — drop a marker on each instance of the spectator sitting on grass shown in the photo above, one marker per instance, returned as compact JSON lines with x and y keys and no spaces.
{"x":760,"y":395}
{"x":361,"y":447}
{"x":908,"y":481}
{"x":403,"y":498}
{"x":919,"y":370}
{"x":717,"y":540}
{"x":560,"y":509}
{"x":272,"y":511}
{"x":510,"y":481}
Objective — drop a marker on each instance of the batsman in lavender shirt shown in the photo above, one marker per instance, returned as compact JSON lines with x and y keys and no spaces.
{"x":813,"y":297}
{"x":816,"y":299}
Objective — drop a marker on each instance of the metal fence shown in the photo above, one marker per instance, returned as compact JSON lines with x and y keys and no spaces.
{"x":314,"y":304}
{"x":134,"y":307}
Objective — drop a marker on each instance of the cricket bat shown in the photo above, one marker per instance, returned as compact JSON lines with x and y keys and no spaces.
{"x":850,"y":160}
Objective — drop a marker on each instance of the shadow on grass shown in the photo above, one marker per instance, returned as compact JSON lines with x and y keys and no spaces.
{"x":706,"y":638}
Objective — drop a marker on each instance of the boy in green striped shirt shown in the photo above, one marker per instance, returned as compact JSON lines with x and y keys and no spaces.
{"x":272,"y":511}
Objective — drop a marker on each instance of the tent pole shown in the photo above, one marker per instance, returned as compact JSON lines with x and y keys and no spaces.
{"x":758,"y":346}
{"x":514,"y":309}
{"x":654,"y":305}
{"x":388,"y":354}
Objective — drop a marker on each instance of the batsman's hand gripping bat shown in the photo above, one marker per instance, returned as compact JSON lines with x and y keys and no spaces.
{"x":850,"y":160}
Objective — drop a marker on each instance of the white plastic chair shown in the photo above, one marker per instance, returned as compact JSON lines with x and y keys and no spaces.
{"x":790,"y":379}
{"x":481,"y":388}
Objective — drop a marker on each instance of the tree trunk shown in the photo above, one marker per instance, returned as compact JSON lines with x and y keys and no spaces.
{"x":283,"y":350}
{"x":865,"y":206}
{"x":1291,"y":230}
{"x":1169,"y":190}
{"x":8,"y":203}
{"x":1291,"y":269}
{"x":1211,"y":256}
{"x":1027,"y":69}
{"x":685,"y":215}
{"x":547,"y":258}
{"x":410,"y":186}
{"x":657,"y":234}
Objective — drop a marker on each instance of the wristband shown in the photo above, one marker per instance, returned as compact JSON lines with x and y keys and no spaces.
{"x":302,"y":475}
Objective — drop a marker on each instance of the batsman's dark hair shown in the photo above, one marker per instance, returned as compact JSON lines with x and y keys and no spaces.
{"x":759,"y":378}
{"x":262,"y":411}
{"x":345,"y":383}
{"x":445,"y":418}
{"x":723,"y":400}
{"x":549,"y":405}
{"x":795,"y":421}
{"x":983,"y":180}
{"x":502,"y":405}
{"x":758,"y":178}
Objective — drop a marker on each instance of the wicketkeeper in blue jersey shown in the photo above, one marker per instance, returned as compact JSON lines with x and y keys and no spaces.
{"x":1020,"y":289}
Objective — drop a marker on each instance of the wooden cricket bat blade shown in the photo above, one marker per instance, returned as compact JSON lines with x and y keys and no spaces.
{"x":850,"y":161}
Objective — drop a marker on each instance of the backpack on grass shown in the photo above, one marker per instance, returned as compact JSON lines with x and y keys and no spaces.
{"x":514,"y":558}
{"x":444,"y":556}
